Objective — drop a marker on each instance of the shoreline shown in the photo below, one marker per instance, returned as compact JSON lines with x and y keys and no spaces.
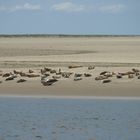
{"x":74,"y":97}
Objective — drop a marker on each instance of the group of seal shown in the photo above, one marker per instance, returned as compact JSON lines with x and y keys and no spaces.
{"x":106,"y":75}
{"x":18,"y":74}
{"x":50,"y":76}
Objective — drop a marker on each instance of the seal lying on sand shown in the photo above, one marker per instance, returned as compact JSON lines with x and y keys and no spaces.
{"x":66,"y":74}
{"x":126,"y":73}
{"x":1,"y":73}
{"x":6,"y":74}
{"x":87,"y":74}
{"x":106,"y":81}
{"x":130,"y":76}
{"x":78,"y":75}
{"x":101,"y":77}
{"x":21,"y":80}
{"x":11,"y":77}
{"x":91,"y":67}
{"x":48,"y":82}
{"x":17,"y":71}
{"x":135,"y":70}
{"x":77,"y":78}
{"x":74,"y":66}
{"x":119,"y":76}
{"x":29,"y":75}
{"x":31,"y":71}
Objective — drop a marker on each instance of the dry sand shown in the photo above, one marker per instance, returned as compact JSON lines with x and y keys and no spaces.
{"x":105,"y":53}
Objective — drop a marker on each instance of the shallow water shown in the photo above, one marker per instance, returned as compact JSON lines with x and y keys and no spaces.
{"x":67,"y":119}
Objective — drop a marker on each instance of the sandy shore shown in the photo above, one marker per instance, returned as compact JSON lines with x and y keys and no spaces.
{"x":113,"y":54}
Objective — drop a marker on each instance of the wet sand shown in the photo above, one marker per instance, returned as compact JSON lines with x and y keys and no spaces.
{"x":115,"y":54}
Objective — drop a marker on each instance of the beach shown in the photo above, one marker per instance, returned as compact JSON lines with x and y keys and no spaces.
{"x":69,"y":70}
{"x":112,"y":54}
{"x":95,"y":93}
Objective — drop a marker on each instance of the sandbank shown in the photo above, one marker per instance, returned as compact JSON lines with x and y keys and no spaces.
{"x":115,"y":54}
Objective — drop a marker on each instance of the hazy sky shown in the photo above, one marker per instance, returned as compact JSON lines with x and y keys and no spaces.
{"x":70,"y":17}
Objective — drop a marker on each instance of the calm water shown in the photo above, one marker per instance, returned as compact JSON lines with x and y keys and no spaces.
{"x":69,"y":119}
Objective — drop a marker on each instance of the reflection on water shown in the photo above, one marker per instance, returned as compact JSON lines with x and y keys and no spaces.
{"x":67,"y":119}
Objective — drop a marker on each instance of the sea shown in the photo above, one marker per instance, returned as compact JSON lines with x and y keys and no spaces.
{"x":28,"y":118}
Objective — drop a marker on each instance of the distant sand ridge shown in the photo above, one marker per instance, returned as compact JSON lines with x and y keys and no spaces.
{"x":100,"y":50}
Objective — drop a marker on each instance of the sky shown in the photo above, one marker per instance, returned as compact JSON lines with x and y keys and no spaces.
{"x":91,"y":17}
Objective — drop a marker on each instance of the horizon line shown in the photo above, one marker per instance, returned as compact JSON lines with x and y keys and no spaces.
{"x":68,"y":35}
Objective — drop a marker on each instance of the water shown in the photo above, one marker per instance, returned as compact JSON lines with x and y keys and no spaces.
{"x":67,"y":119}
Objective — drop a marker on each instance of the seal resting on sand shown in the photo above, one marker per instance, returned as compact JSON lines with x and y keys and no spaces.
{"x":52,"y":71}
{"x":130,"y":76}
{"x":44,"y":70}
{"x":126,"y":73}
{"x":87,"y":74}
{"x":17,"y":71}
{"x":101,"y":77}
{"x":77,"y":75}
{"x":91,"y":67}
{"x":119,"y":76}
{"x":104,"y":72}
{"x":56,"y":77}
{"x":11,"y":77}
{"x":66,"y":74}
{"x":6,"y":74}
{"x":1,"y":74}
{"x":21,"y":80}
{"x":31,"y":71}
{"x":32,"y":75}
{"x":106,"y":81}
{"x":77,"y":78}
{"x":135,"y":70}
{"x":48,"y":82}
{"x":76,"y":66}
